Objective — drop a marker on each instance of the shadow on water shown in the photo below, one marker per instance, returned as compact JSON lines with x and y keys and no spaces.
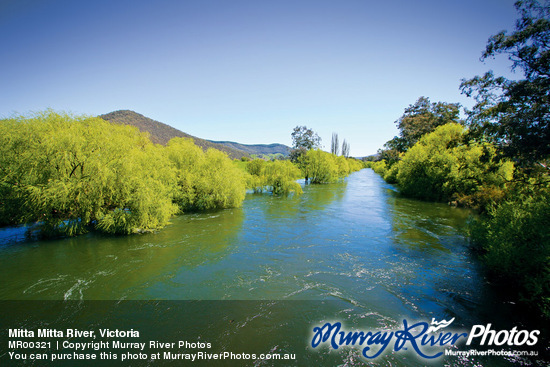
{"x":448,"y":281}
{"x":423,"y":226}
{"x":95,"y":266}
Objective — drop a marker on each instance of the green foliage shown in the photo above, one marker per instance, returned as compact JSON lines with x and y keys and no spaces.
{"x":514,"y":243}
{"x":281,"y":176}
{"x":277,"y":177}
{"x":71,"y":173}
{"x":512,"y":237}
{"x":441,"y":166}
{"x":256,"y":178}
{"x":379,"y":167}
{"x":302,"y":137}
{"x":424,"y":117}
{"x":322,"y":167}
{"x":204,"y":181}
{"x":319,"y":166}
{"x":418,"y":120}
{"x":344,"y":168}
{"x":515,"y":114}
{"x":303,"y":140}
{"x":390,"y":174}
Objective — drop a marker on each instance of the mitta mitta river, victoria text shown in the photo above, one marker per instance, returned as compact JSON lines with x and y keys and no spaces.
{"x":72,"y":333}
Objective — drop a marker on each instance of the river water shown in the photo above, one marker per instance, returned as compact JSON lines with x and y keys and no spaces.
{"x":355,"y":252}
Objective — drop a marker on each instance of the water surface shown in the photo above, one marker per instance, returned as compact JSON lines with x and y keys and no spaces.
{"x":355,"y":251}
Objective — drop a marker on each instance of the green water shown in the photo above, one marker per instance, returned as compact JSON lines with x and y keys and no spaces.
{"x":354,"y":251}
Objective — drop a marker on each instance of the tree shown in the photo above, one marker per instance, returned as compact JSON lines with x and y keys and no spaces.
{"x":324,"y":167}
{"x":69,"y":174}
{"x":419,"y":119}
{"x":303,"y":140}
{"x":441,"y":167}
{"x":393,"y":150}
{"x":320,"y":166}
{"x":422,"y":118}
{"x":204,"y":180}
{"x":515,"y":114}
{"x":334,"y":145}
{"x":345,"y":148}
{"x":514,"y":244}
{"x":278,"y":177}
{"x":302,"y":137}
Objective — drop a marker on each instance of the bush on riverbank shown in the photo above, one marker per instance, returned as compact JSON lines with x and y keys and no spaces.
{"x":277,"y":177}
{"x":511,"y":233}
{"x":514,"y":243}
{"x":442,"y":167}
{"x":204,"y":181}
{"x":322,"y":167}
{"x":70,"y":174}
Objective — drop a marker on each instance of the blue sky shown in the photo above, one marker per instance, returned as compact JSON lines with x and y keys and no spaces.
{"x":247,"y":71}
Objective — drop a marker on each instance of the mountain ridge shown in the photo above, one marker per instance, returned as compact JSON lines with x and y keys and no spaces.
{"x":161,"y":133}
{"x":273,"y":148}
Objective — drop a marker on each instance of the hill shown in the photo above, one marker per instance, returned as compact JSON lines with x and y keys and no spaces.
{"x":161,"y":133}
{"x":257,"y":149}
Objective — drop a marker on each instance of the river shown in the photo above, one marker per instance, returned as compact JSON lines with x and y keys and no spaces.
{"x":355,"y":252}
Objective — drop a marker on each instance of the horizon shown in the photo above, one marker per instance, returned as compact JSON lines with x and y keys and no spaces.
{"x":244,"y":71}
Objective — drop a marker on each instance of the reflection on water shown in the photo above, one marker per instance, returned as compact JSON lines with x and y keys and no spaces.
{"x":425,"y":226}
{"x":374,"y":256}
{"x":116,"y":267}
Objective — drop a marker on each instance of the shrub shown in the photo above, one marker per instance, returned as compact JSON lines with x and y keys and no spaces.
{"x":514,"y":243}
{"x":441,"y":166}
{"x":277,"y":177}
{"x":204,"y":181}
{"x":69,"y":173}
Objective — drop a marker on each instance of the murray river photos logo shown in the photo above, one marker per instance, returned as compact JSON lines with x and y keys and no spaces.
{"x":426,"y":340}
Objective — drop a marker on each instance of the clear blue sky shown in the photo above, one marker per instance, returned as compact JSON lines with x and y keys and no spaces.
{"x":247,"y":71}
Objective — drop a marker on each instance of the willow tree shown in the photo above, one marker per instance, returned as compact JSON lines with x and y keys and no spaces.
{"x":204,"y":180}
{"x":69,"y":174}
{"x":277,"y":177}
{"x":440,"y":166}
{"x":319,"y":166}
